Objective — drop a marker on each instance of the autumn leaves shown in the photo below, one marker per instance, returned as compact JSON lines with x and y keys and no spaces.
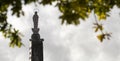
{"x":99,"y":27}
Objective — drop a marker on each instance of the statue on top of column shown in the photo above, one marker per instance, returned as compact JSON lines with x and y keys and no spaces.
{"x":35,"y":20}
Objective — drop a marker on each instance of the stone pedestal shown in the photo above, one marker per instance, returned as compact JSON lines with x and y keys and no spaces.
{"x":36,"y":48}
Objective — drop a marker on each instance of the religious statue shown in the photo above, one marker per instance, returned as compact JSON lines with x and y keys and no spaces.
{"x":37,"y":42}
{"x":35,"y":20}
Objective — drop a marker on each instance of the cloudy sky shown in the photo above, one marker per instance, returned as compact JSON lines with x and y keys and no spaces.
{"x":63,"y":42}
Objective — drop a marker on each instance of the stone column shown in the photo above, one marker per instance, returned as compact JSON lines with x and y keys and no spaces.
{"x":36,"y":41}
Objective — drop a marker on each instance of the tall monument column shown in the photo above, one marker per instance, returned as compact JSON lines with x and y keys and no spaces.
{"x":36,"y":41}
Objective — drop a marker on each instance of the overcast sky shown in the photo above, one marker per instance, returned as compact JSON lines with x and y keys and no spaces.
{"x":63,"y":42}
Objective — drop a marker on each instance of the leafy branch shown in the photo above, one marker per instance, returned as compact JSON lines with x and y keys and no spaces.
{"x":12,"y":34}
{"x":99,"y":27}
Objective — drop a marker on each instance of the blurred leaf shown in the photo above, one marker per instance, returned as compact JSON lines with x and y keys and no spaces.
{"x":101,"y":37}
{"x":100,"y":27}
{"x":96,"y":29}
{"x":102,"y":16}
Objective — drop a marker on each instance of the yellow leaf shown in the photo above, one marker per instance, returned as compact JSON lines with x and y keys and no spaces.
{"x":102,"y":16}
{"x":101,"y":37}
{"x":61,"y":8}
{"x":99,"y":1}
{"x":100,"y":27}
{"x":19,"y":44}
{"x":89,"y":11}
{"x":96,"y":29}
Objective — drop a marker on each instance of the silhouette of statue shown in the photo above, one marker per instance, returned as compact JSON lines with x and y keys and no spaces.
{"x":35,"y":20}
{"x":37,"y":41}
